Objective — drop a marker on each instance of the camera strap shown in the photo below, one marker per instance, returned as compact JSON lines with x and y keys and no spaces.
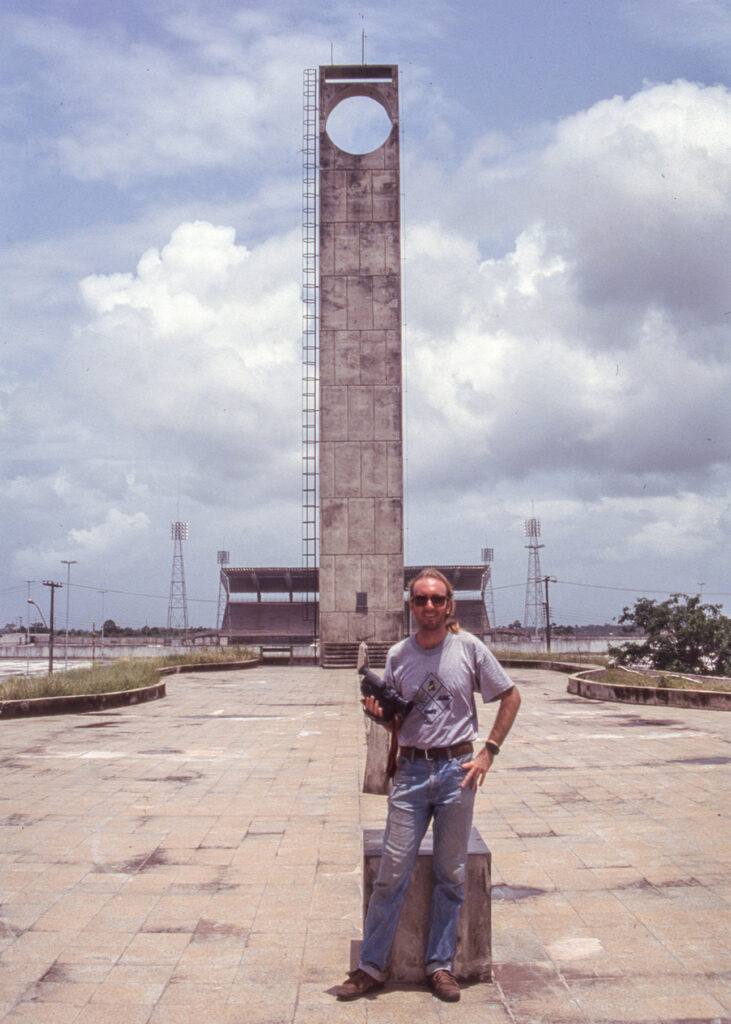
{"x":393,"y":750}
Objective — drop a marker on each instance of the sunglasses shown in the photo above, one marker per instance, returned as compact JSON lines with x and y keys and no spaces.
{"x":422,"y":600}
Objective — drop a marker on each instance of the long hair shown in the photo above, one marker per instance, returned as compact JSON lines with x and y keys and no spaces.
{"x":432,"y":574}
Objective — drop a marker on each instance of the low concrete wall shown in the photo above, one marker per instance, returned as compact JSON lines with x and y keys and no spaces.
{"x":585,"y":684}
{"x":79,"y":702}
{"x":576,"y":645}
{"x":548,"y":666}
{"x":208,"y":666}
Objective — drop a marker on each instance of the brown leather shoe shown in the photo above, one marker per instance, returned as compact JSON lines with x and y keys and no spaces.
{"x":358,"y":984}
{"x":445,"y":986}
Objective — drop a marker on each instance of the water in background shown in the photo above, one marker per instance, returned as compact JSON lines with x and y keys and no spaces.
{"x":11,"y":667}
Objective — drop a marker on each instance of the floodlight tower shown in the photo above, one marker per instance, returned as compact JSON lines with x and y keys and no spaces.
{"x":488,"y":599}
{"x":534,"y":616}
{"x":178,"y":603}
{"x":223,"y":558}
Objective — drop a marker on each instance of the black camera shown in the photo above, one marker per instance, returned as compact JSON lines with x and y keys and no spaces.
{"x":392,"y":703}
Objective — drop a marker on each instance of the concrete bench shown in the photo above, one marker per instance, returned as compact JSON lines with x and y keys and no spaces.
{"x":473,"y":959}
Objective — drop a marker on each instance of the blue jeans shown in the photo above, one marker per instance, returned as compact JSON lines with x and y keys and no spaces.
{"x":422,"y":790}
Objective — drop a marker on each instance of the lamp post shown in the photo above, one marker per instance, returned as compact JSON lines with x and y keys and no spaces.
{"x":43,"y":617}
{"x":43,"y":620}
{"x":68,"y":562}
{"x":27,"y":633}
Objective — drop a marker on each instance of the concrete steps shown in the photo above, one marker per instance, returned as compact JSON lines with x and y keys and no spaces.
{"x":345,"y":655}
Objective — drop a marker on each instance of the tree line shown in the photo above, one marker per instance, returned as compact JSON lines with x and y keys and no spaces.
{"x":110,"y":628}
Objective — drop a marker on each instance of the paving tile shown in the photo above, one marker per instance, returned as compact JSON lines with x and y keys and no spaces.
{"x":184,"y":992}
{"x":17,"y":978}
{"x":651,"y":998}
{"x":70,"y":993}
{"x":191,"y":1013}
{"x":34,"y":947}
{"x":158,"y":948}
{"x":106,"y":1013}
{"x":42,"y":1013}
{"x":132,"y":984}
{"x":92,"y":947}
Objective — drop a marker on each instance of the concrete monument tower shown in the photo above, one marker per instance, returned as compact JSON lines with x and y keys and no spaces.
{"x":361,"y":575}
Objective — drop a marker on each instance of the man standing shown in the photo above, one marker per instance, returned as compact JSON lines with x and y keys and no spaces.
{"x":436,"y":780}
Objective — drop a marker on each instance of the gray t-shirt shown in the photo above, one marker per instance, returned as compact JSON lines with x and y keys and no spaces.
{"x":442,"y":682}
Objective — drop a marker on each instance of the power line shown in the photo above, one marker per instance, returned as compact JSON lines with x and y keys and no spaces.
{"x":502,"y":586}
{"x":17,"y":586}
{"x":132,"y":593}
{"x":636,"y":590}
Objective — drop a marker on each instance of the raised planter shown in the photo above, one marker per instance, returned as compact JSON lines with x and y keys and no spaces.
{"x":585,"y":684}
{"x":77,"y":703}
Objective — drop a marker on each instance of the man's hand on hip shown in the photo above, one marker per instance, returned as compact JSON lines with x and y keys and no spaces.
{"x":477,"y":769}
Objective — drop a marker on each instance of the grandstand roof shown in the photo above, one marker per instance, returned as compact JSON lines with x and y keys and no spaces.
{"x":298,"y":580}
{"x":270,"y":580}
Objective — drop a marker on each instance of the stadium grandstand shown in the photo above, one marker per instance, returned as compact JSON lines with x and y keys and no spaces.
{"x":273,"y":605}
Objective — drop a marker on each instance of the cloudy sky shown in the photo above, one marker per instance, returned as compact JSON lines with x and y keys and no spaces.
{"x":566,"y":177}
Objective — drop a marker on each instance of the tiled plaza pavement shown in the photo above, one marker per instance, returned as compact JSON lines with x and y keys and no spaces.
{"x":198,"y":860}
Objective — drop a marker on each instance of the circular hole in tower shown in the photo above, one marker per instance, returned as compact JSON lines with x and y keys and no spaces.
{"x":359,"y":125}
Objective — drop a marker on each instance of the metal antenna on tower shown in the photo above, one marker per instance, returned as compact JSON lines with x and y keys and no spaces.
{"x":223,"y":558}
{"x":178,"y":603}
{"x":488,"y":598}
{"x":534,"y":616}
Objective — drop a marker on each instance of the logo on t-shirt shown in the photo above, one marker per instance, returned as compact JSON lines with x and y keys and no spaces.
{"x":432,"y":699}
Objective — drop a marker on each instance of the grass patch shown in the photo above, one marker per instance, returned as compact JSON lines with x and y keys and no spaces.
{"x":662,"y":680}
{"x":209,"y":656}
{"x":125,"y":674}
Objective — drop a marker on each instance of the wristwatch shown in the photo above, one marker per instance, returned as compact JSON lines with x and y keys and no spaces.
{"x":492,"y":747}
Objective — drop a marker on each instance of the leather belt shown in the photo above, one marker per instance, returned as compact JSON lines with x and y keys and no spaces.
{"x":432,"y":753}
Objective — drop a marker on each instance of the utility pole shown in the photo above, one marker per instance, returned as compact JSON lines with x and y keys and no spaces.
{"x":54,"y":587}
{"x":102,"y":592}
{"x":547,"y":580}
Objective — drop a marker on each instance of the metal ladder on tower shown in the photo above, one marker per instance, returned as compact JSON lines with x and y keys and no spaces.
{"x":310,"y":310}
